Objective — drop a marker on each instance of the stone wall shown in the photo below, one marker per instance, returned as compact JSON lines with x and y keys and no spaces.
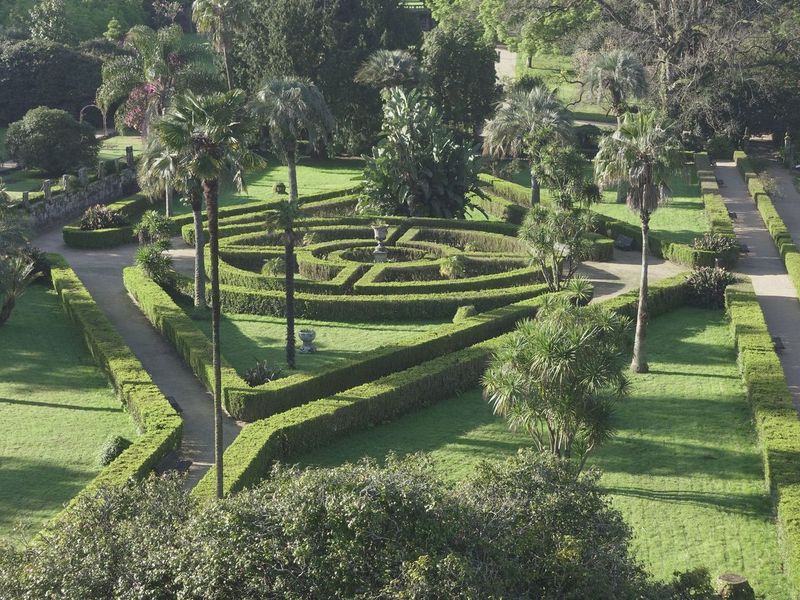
{"x":65,"y":206}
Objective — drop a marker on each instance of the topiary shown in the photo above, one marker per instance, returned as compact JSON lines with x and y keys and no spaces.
{"x":51,"y":140}
{"x":101,"y":217}
{"x":111,"y":449}
{"x":464,"y":312}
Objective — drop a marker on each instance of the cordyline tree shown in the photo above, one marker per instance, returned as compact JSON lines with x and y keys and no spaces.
{"x":641,"y":154}
{"x":159,"y":171}
{"x":220,"y":19}
{"x":210,"y":135}
{"x":291,"y":109}
{"x":524,"y":123}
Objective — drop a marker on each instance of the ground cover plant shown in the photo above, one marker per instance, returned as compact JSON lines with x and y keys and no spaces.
{"x":57,"y":410}
{"x":683,"y":469}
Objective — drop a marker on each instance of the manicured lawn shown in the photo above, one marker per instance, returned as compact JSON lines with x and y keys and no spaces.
{"x":248,"y":338}
{"x":56,"y":410}
{"x":550,"y":67}
{"x":683,"y":469}
{"x":22,"y":181}
{"x":681,"y":219}
{"x":313,"y":176}
{"x":114,"y":147}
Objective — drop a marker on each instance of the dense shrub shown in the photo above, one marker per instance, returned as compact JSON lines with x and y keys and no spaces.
{"x":715,"y":243}
{"x":453,"y":267}
{"x":51,"y":140}
{"x":720,"y":147}
{"x":38,"y":73}
{"x":319,"y":533}
{"x":262,"y":373}
{"x":101,"y":217}
{"x":153,"y":261}
{"x":153,"y":227}
{"x":707,"y":285}
{"x":112,"y":448}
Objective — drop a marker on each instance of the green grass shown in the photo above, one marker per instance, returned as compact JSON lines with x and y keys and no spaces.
{"x":680,"y":220}
{"x":683,"y":469}
{"x":22,"y":181}
{"x":550,"y":68}
{"x":247,"y":338}
{"x":313,"y":176}
{"x":56,"y":410}
{"x":114,"y":147}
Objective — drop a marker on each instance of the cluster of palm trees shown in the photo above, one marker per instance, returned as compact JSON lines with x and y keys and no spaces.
{"x":638,"y":157}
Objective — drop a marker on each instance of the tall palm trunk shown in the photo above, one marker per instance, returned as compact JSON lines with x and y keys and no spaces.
{"x":210,"y":191}
{"x":226,"y":60}
{"x":536,"y":192}
{"x":199,"y":256}
{"x":168,"y":200}
{"x":291,"y":160}
{"x":639,"y":361}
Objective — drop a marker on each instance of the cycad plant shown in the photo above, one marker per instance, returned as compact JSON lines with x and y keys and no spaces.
{"x":16,"y":273}
{"x":162,"y":64}
{"x":616,"y":76}
{"x":210,"y":135}
{"x":389,"y":68}
{"x":220,"y":19}
{"x":642,"y":154}
{"x":524,"y":123}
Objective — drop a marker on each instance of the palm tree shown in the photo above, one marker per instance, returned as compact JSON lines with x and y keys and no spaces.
{"x":159,"y":172}
{"x":285,"y":219}
{"x":389,"y":68}
{"x":289,"y":108}
{"x":219,"y":18}
{"x":210,"y":135}
{"x":616,"y":75}
{"x":643,"y":154}
{"x":163,"y":63}
{"x":524,"y":122}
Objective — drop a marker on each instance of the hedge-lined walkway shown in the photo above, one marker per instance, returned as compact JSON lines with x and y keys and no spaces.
{"x":776,"y":294}
{"x":101,"y":273}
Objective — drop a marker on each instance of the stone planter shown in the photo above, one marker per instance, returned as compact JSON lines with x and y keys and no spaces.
{"x":307,"y":336}
{"x":380,"y":230}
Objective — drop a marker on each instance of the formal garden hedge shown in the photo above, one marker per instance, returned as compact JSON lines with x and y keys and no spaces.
{"x":775,"y":417}
{"x":248,"y":404}
{"x":284,"y":436}
{"x":775,"y":225}
{"x":159,"y":424}
{"x":131,"y":208}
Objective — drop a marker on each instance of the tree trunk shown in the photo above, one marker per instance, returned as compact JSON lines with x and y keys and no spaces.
{"x":6,"y":308}
{"x":210,"y":191}
{"x":227,"y":65}
{"x":290,"y":350}
{"x":536,"y":193}
{"x":199,"y":257}
{"x":639,"y":361}
{"x":289,"y":257}
{"x":168,"y":200}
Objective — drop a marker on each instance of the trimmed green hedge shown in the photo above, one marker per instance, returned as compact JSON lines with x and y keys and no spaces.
{"x":775,"y":225}
{"x":719,"y":221}
{"x":159,"y":424}
{"x":249,"y":404}
{"x":131,"y":208}
{"x":284,"y":436}
{"x":514,"y":193}
{"x":775,"y":417}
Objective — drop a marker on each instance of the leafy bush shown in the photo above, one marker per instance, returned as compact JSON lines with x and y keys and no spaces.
{"x":319,"y":533}
{"x":154,"y":262}
{"x":51,"y":140}
{"x":453,"y":267}
{"x":262,"y":373}
{"x":101,"y":217}
{"x":707,"y":286}
{"x":112,"y":448}
{"x":464,"y":312}
{"x":39,"y":73}
{"x":153,"y":227}
{"x":714,"y":242}
{"x":720,"y":147}
{"x":275,"y":267}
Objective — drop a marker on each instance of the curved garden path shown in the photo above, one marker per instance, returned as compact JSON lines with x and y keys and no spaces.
{"x":101,"y":273}
{"x":776,"y":294}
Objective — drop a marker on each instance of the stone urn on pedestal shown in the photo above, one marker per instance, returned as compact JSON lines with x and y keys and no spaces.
{"x":381,"y":230}
{"x":307,"y":336}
